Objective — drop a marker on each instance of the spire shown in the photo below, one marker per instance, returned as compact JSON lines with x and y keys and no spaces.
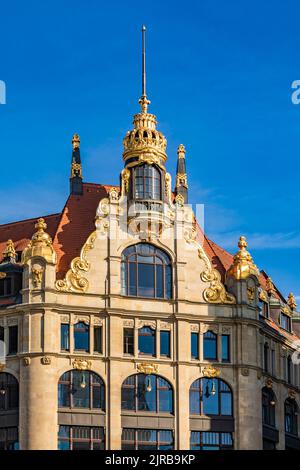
{"x":143,"y":101}
{"x":181,"y":186}
{"x":243,"y":265}
{"x":76,"y":169}
{"x":9,"y":254}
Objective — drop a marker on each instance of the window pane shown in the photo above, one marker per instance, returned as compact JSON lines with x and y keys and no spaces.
{"x":226,"y":407}
{"x":166,"y":401}
{"x":64,"y":337}
{"x":146,"y":280}
{"x":165,"y":343}
{"x":128,"y":341}
{"x":194,"y":402}
{"x":147,"y":341}
{"x":13,"y":339}
{"x":128,"y":398}
{"x":147,"y":392}
{"x":132,"y":279}
{"x":195,"y":345}
{"x":210,"y":346}
{"x":159,"y":281}
{"x":81,"y":390}
{"x":81,"y":337}
{"x":98,"y":339}
{"x":225,"y":348}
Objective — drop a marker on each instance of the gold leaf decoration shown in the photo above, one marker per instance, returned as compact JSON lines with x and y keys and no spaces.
{"x":211,"y":372}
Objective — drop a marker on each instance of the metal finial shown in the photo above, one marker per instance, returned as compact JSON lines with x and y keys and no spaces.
{"x":143,"y":60}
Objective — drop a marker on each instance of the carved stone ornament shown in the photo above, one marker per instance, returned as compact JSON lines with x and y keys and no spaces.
{"x":251,"y":293}
{"x":26,"y":361}
{"x":292,"y":394}
{"x":179,"y":200}
{"x":82,"y":364}
{"x":125,"y":175}
{"x":2,"y":367}
{"x":165,"y":325}
{"x":113,"y":194}
{"x":204,"y":327}
{"x":81,"y":318}
{"x":98,"y":321}
{"x":102,"y":224}
{"x":46,"y":360}
{"x":146,"y":368}
{"x":65,"y":318}
{"x":245,"y":371}
{"x":168,"y":187}
{"x":263,"y":296}
{"x":37,"y":275}
{"x":226,"y":329}
{"x":211,"y":372}
{"x":195,"y":328}
{"x":2,"y":275}
{"x":269,"y":383}
{"x":74,"y":280}
{"x":128,"y":323}
{"x":150,"y":323}
{"x":40,"y":245}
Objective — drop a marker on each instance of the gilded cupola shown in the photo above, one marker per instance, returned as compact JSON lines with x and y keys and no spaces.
{"x":40,"y":245}
{"x":243,"y":265}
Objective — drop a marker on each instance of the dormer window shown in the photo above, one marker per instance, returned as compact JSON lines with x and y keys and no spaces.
{"x":285,"y":322}
{"x":147,"y":183}
{"x":5,"y":286}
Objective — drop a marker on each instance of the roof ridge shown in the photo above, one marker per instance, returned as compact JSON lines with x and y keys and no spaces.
{"x":30,"y":219}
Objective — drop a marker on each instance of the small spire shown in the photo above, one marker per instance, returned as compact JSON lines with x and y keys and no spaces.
{"x":76,"y":186}
{"x":9,"y":254}
{"x":181,"y":185}
{"x":143,"y":101}
{"x":40,"y":244}
{"x":292,"y":301}
{"x":243,"y":265}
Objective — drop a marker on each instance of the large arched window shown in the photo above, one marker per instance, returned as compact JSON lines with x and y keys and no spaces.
{"x":291,"y":411}
{"x":141,"y":392}
{"x":9,"y":392}
{"x":81,"y":389}
{"x":210,"y":397}
{"x":146,"y":272}
{"x":268,"y":406}
{"x":147,"y":182}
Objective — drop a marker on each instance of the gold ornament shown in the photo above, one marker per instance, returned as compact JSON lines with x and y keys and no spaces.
{"x":76,"y":170}
{"x":181,"y":151}
{"x":263,"y":296}
{"x":251,"y":293}
{"x":40,"y":245}
{"x":270,"y":288}
{"x":74,"y":280}
{"x":146,"y":368}
{"x":211,"y":372}
{"x":2,"y":275}
{"x":292,"y":301}
{"x":37,"y":275}
{"x":82,"y":364}
{"x":2,"y":367}
{"x":75,"y":141}
{"x":181,"y":180}
{"x":243,"y":265}
{"x":10,"y":252}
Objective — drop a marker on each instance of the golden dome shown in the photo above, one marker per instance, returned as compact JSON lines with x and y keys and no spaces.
{"x":40,"y":244}
{"x":243,"y":265}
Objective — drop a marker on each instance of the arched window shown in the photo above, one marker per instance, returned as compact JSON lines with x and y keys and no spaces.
{"x":291,"y":411}
{"x":146,"y":271}
{"x":268,"y":406}
{"x":141,"y":392}
{"x":9,"y":392}
{"x":81,"y":389}
{"x":147,"y":182}
{"x":210,"y":350}
{"x":266,"y":357}
{"x":81,"y":337}
{"x":147,"y":342}
{"x":210,"y":397}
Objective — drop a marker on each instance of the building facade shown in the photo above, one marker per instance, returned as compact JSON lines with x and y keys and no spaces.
{"x":125,"y":327}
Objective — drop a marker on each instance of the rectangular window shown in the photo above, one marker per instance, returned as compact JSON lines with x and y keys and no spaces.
{"x":211,"y":440}
{"x":195,"y":345}
{"x":128,"y":341}
{"x":5,"y":286}
{"x":285,"y":322}
{"x":13,"y":339}
{"x":64,"y":337}
{"x":98,"y":339}
{"x":147,"y":439}
{"x":165,"y":344}
{"x":81,"y":337}
{"x":9,"y":439}
{"x":1,"y":334}
{"x":81,"y":438}
{"x":225,"y":348}
{"x":273,"y":362}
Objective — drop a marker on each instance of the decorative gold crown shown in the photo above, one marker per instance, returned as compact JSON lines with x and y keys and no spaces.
{"x":243,"y":265}
{"x":40,"y":244}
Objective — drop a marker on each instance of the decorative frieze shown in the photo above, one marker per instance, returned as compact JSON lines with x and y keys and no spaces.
{"x":82,"y":364}
{"x":147,"y":368}
{"x":211,"y":372}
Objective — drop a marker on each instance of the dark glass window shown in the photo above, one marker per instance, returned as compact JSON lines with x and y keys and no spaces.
{"x":81,"y":337}
{"x":291,"y":411}
{"x":81,"y":389}
{"x":210,"y":349}
{"x":147,"y":182}
{"x":210,"y":397}
{"x":266,"y":357}
{"x":13,"y":339}
{"x":98,"y":339}
{"x":5,"y":286}
{"x":147,"y":341}
{"x":268,"y":406}
{"x":128,"y":341}
{"x":165,"y":343}
{"x":285,"y":322}
{"x":141,"y":392}
{"x":64,"y":337}
{"x":146,"y":272}
{"x":9,"y":438}
{"x":195,"y":345}
{"x":289,"y":369}
{"x":225,"y":348}
{"x":81,"y":438}
{"x":264,"y":308}
{"x":9,"y":392}
{"x":211,"y":440}
{"x":147,"y":439}
{"x":1,"y":334}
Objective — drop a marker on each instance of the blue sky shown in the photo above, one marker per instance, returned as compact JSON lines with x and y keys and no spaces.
{"x":219,"y":78}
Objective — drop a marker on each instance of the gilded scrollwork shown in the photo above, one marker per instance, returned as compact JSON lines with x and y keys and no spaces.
{"x":211,"y":372}
{"x":146,"y":368}
{"x":74,"y":280}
